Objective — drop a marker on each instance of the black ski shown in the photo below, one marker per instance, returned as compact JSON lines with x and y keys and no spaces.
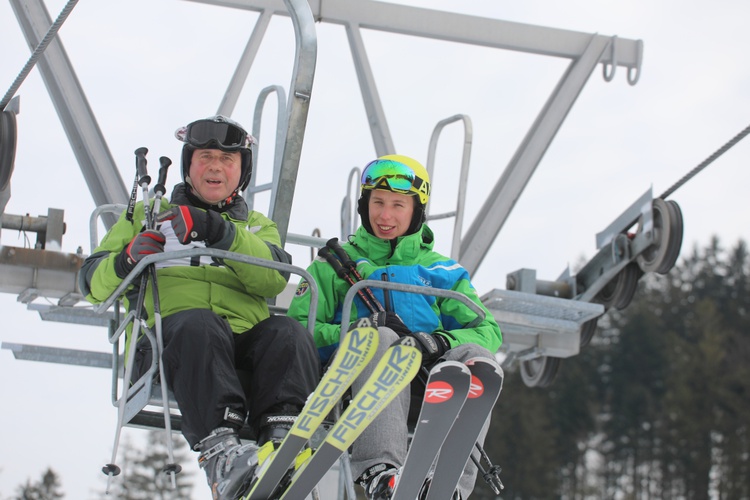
{"x":486,"y":384}
{"x":445,"y":393}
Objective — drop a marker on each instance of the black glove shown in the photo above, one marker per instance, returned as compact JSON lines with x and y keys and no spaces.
{"x":391,"y":320}
{"x":432,"y":346}
{"x":145,"y":243}
{"x":193,"y":224}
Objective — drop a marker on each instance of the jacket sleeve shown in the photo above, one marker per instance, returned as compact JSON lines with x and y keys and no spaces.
{"x":97,"y":278}
{"x":327,"y":328}
{"x":459,"y":323}
{"x":259,"y":237}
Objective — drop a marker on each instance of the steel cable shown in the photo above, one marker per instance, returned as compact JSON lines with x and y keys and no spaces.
{"x":706,"y":162}
{"x":38,"y":52}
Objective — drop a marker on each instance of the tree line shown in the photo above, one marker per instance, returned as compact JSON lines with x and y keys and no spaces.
{"x":141,"y":477}
{"x":657,"y":406}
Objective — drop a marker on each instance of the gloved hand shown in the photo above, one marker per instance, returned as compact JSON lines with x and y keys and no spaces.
{"x":193,"y":224}
{"x":432,"y":346}
{"x":145,"y":243}
{"x":391,"y":320}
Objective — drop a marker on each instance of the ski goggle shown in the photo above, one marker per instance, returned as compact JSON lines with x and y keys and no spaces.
{"x":394,"y":176}
{"x":205,"y":133}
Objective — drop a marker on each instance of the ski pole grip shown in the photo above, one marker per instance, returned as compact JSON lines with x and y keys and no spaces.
{"x":333,"y":244}
{"x":160,"y":188}
{"x":140,"y":166}
{"x":325,"y":252}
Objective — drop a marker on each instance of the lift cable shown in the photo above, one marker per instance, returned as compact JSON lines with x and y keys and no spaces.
{"x":38,"y":52}
{"x":707,"y":162}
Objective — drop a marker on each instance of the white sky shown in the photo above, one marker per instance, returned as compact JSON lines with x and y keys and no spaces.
{"x":149,"y":66}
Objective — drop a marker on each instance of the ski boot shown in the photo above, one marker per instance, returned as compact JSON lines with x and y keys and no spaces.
{"x":229,"y":465}
{"x":379,"y":481}
{"x":275,"y":428}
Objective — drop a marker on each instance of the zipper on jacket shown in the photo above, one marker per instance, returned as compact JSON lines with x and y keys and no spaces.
{"x":386,"y":295}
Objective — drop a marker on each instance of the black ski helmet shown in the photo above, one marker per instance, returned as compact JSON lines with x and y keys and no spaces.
{"x":217,"y":132}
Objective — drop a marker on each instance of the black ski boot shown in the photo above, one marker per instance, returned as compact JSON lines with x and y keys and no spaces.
{"x":229,"y":465}
{"x":275,"y":428}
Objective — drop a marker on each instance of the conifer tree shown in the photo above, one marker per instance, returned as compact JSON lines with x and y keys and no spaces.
{"x":142,"y":477}
{"x":48,"y":488}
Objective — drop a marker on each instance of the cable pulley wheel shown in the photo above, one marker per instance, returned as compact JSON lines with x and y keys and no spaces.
{"x":587,"y":331}
{"x":539,"y":372}
{"x":661,"y":256}
{"x":620,"y":290}
{"x":8,"y":133}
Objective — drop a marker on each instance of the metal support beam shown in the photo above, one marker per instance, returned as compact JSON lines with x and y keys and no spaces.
{"x":453,"y":27}
{"x":381,"y":135}
{"x":501,"y":200}
{"x":31,"y":273}
{"x":299,"y":103}
{"x":246,"y":61}
{"x":85,"y":137}
{"x":59,"y":355}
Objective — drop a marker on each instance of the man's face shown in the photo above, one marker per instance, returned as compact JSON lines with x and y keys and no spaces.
{"x":390,"y":213}
{"x":215,"y":174}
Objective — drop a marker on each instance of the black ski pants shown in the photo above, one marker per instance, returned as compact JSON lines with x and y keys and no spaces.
{"x":269,"y":369}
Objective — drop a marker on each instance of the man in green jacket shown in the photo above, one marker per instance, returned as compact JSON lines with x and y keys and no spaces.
{"x":215,"y":318}
{"x":394,"y":244}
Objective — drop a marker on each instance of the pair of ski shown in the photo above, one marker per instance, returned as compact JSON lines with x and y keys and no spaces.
{"x":393,"y":373}
{"x":457,"y":402}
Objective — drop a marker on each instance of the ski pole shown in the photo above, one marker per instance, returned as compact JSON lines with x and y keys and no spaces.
{"x":132,"y":200}
{"x":347,"y":261}
{"x":159,"y":189}
{"x":150,"y":218}
{"x":171,"y":468}
{"x":491,"y":476}
{"x":141,"y":179}
{"x":342,"y":273}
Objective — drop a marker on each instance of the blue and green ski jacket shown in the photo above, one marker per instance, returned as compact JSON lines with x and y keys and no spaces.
{"x":411,"y":261}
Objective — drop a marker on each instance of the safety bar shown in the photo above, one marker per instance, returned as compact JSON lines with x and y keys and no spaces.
{"x":218,"y":254}
{"x":402,"y":287}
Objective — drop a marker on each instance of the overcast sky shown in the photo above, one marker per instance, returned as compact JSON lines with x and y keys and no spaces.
{"x":148,"y":67}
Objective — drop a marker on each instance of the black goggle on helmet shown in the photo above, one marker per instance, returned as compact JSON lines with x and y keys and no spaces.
{"x":217,"y":132}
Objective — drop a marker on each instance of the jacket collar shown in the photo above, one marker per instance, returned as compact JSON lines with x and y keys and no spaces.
{"x":182,"y":195}
{"x":405,"y":250}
